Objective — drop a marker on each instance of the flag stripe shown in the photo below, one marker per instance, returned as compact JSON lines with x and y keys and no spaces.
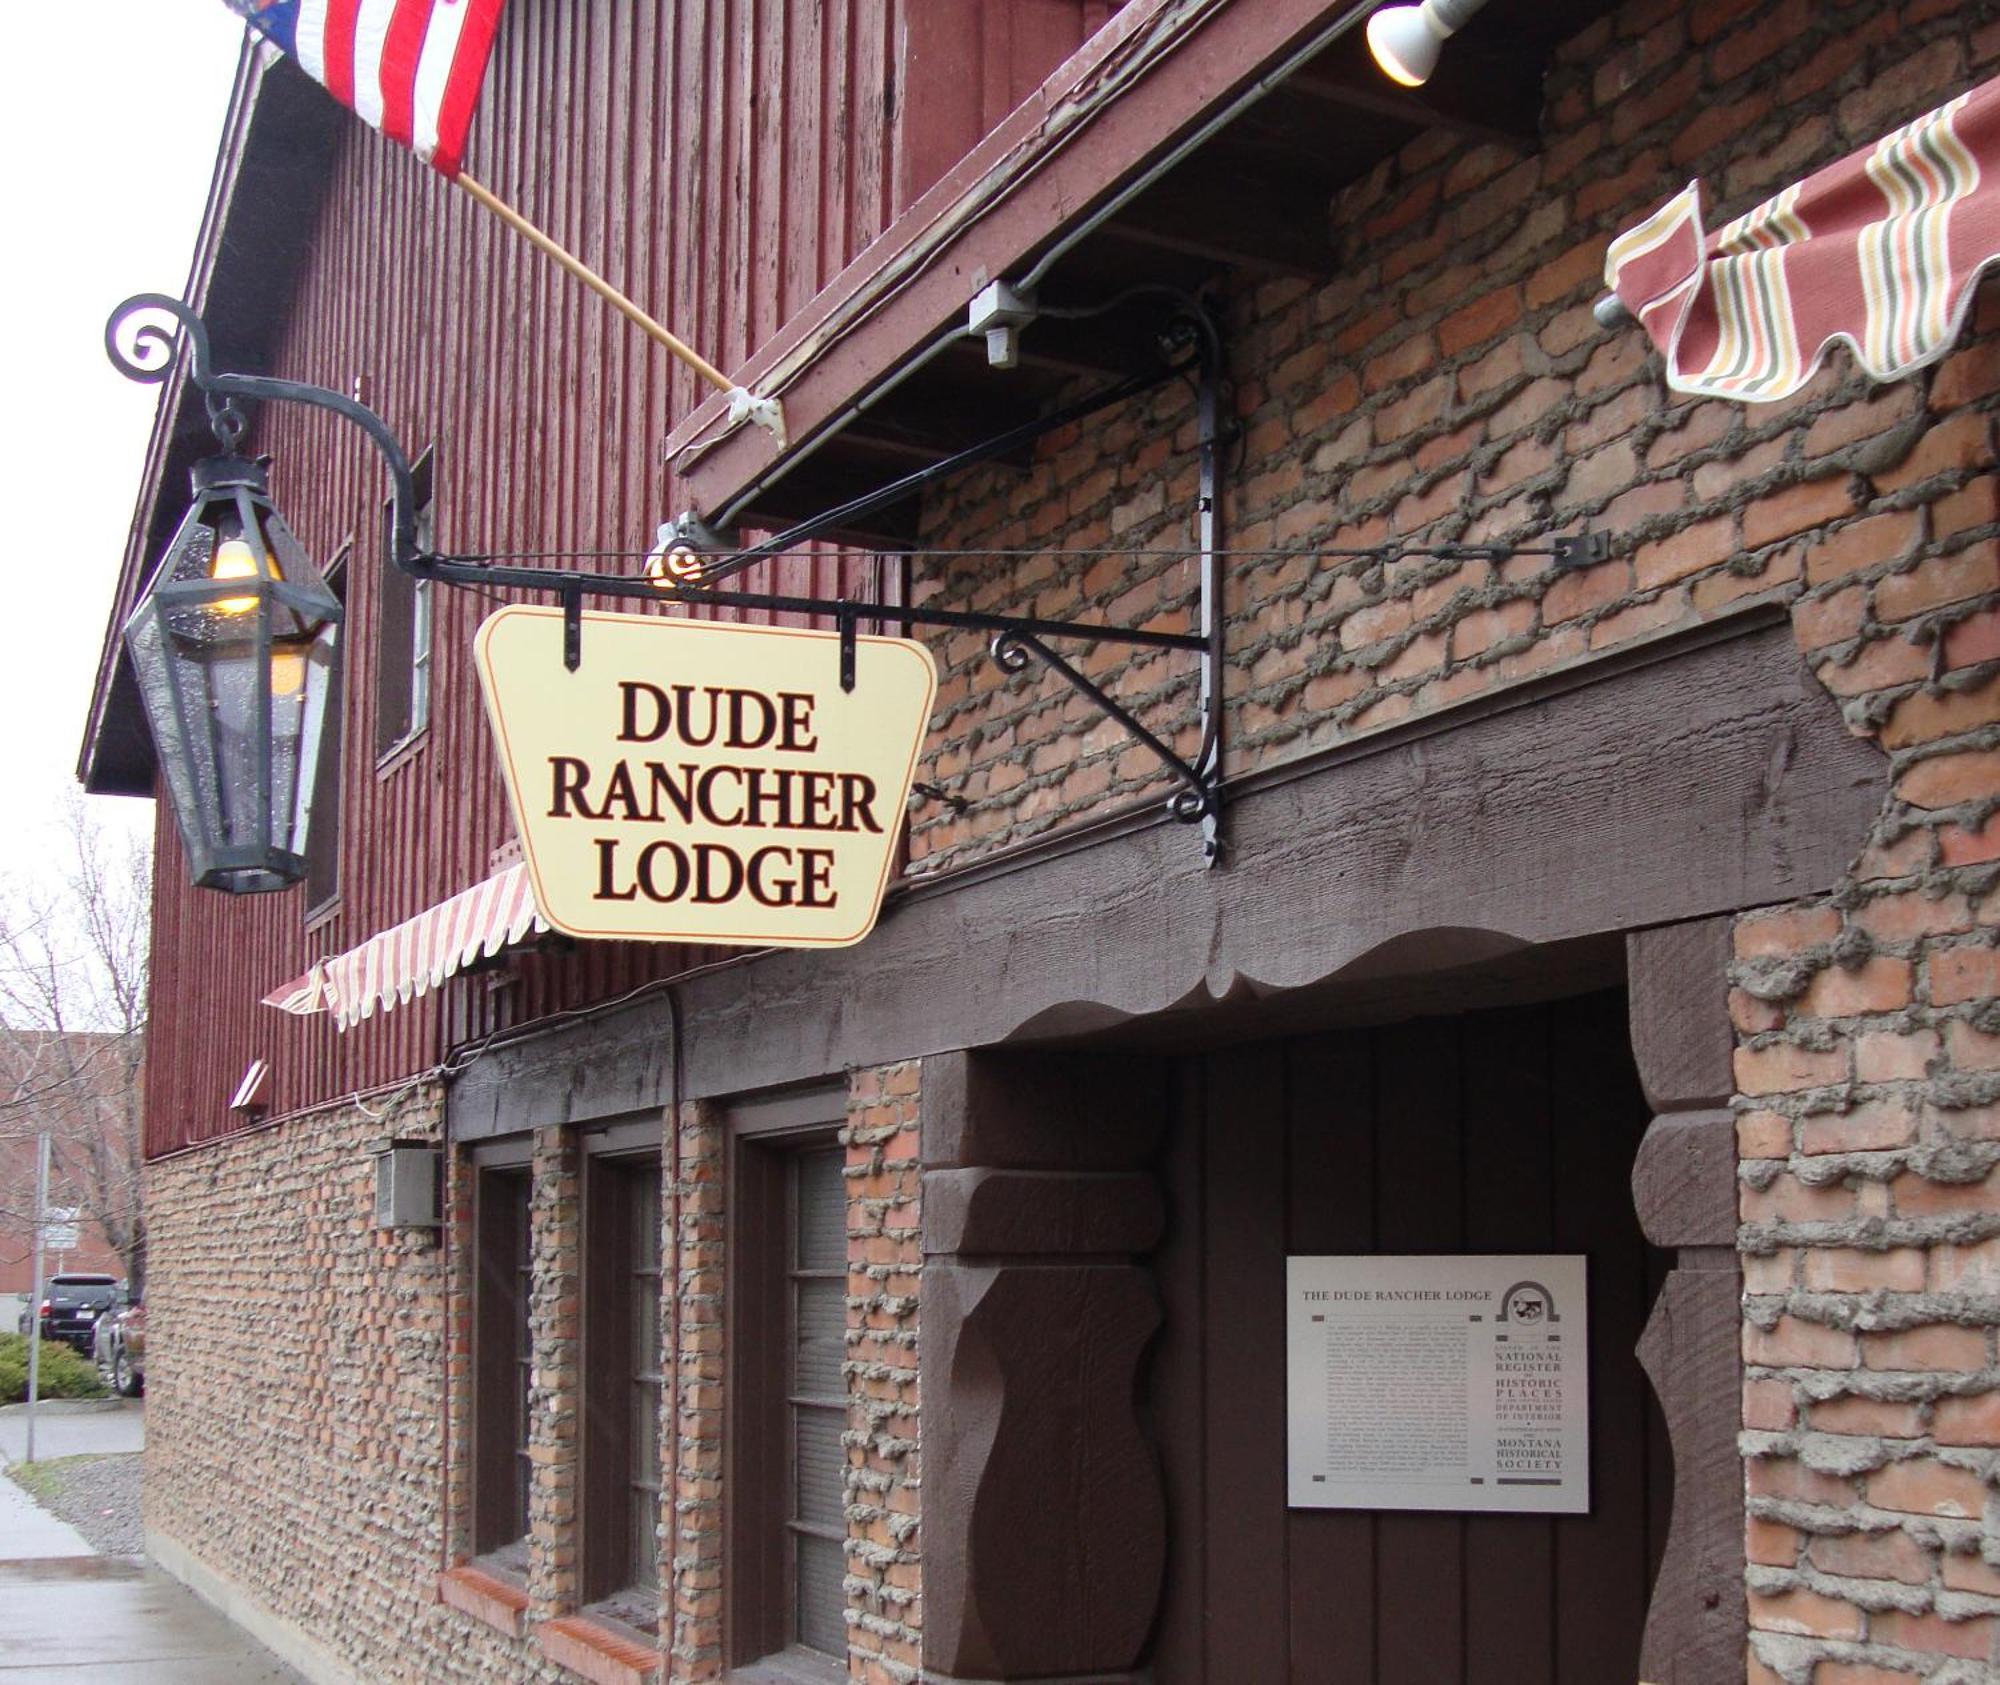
{"x":402,"y":51}
{"x":371,"y":34}
{"x":310,"y":38}
{"x":411,"y":68}
{"x":337,"y":48}
{"x":472,"y":45}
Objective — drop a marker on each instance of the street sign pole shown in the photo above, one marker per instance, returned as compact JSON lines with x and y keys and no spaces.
{"x":35,"y":1305}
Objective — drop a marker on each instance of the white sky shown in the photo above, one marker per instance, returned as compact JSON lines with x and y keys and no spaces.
{"x":109,"y":128}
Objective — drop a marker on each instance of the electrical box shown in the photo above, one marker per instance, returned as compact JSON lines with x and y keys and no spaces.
{"x":408,"y":1180}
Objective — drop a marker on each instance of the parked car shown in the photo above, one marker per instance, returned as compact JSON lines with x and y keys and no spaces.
{"x":120,"y":1348}
{"x":72,"y":1305}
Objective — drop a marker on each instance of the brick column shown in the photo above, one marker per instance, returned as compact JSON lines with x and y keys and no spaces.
{"x":1044,"y":1522}
{"x":554,"y":1402}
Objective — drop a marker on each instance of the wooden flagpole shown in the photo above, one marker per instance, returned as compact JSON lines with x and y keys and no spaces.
{"x":750,"y":407}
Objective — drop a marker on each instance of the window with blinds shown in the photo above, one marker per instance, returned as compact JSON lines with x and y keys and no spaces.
{"x":623,"y":1384}
{"x":502,"y":1361}
{"x":816,"y":1396}
{"x":787,"y":1339}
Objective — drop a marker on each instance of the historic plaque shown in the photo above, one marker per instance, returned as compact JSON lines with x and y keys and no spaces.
{"x":698,"y":781}
{"x":1438,"y":1383}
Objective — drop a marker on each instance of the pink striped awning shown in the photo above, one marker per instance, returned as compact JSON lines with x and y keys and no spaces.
{"x":417,"y":955}
{"x":1881,"y":251}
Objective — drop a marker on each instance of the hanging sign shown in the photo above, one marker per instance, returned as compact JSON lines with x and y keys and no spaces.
{"x":1438,"y":1383}
{"x":695,"y":781}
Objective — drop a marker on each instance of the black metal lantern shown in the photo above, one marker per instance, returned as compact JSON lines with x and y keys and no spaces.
{"x":233,"y":649}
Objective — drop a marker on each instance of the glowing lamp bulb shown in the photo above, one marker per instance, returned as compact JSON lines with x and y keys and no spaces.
{"x":1405,"y":39}
{"x":288,"y":672}
{"x":234,"y":559}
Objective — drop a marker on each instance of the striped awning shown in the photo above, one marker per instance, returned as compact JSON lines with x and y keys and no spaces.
{"x":417,"y":955}
{"x":1881,"y":251}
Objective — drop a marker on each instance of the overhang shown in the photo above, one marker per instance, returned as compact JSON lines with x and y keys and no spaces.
{"x":1185,"y":139}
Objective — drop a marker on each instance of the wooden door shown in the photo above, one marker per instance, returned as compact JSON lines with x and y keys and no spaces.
{"x":1502,"y":1131}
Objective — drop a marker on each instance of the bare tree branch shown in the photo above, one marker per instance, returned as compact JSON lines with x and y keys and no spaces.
{"x":73,"y":991}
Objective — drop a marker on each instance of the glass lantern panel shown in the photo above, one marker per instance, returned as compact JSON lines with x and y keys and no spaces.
{"x":301,"y":681}
{"x":233,"y":692}
{"x":153,"y":663}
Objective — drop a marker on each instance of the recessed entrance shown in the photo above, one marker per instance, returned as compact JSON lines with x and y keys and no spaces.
{"x":1510,"y":1130}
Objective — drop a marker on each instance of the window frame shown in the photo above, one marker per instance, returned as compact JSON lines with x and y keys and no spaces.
{"x":330,"y":776}
{"x":502,"y":1352}
{"x":406,"y":610}
{"x":766,"y":1139}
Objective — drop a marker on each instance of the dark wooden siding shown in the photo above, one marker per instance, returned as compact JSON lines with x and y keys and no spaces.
{"x":721,"y":161}
{"x":1504,"y":1131}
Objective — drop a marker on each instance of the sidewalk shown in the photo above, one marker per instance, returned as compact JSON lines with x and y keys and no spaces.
{"x":68,"y":1617}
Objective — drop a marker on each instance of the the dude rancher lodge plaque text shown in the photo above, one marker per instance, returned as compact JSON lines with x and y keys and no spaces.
{"x":1438,"y":1383}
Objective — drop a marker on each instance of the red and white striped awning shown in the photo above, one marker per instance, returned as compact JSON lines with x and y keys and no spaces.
{"x":1881,"y":251}
{"x":417,"y":955}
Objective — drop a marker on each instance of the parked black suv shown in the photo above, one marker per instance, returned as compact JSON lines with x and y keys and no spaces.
{"x":72,"y":1305}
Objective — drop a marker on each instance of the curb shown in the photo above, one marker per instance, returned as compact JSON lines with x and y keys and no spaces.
{"x":67,"y":1407}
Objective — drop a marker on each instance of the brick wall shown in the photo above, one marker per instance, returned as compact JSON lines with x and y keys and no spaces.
{"x":884,"y":1278}
{"x":295,"y":1402}
{"x":885,"y":1263}
{"x":1450,"y":386}
{"x":342,"y":1375}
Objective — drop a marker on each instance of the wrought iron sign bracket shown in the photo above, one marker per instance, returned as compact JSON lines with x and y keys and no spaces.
{"x":1017,"y":642}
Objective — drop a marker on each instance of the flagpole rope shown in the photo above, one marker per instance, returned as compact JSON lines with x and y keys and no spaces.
{"x":597,"y":284}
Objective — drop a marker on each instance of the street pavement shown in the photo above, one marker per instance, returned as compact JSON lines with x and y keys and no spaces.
{"x":69,"y":1617}
{"x":73,"y":1428}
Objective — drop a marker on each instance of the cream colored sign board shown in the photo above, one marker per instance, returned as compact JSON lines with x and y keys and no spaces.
{"x":1439,"y":1383}
{"x":695,"y":781}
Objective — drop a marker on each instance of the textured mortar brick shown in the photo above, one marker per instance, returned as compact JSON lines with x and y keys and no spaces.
{"x":1769,"y":1405}
{"x":1973,"y":1420}
{"x":1968,"y":1573}
{"x":1796,"y":1344}
{"x":1964,"y":972}
{"x":1934,"y":1348}
{"x":1891,"y":1555}
{"x":1773,"y":1543}
{"x":1935,"y":1635}
{"x":1867,"y":1416}
{"x":324,"y":1502}
{"x":1805,"y":1612}
{"x":1939,"y":583}
{"x":1869,"y":1127}
{"x":1925,"y":1486}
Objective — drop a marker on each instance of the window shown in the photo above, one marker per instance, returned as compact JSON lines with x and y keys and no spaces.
{"x":323,"y":826}
{"x":788,"y":1340}
{"x":403,"y":646}
{"x":622,"y":1381}
{"x":502,"y":1355}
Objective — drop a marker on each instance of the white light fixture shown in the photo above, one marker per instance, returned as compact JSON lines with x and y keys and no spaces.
{"x":250,"y":1098}
{"x":1405,"y":39}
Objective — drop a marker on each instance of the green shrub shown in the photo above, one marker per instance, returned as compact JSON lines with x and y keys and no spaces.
{"x":65,"y":1373}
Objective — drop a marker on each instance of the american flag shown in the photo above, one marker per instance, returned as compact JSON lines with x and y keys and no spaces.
{"x":412,"y":68}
